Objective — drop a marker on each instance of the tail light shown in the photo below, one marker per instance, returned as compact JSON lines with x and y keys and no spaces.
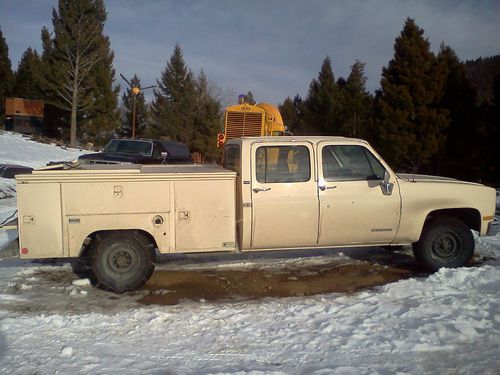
{"x":220,"y":140}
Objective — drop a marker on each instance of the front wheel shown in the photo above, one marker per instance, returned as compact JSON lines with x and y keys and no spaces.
{"x":445,"y":242}
{"x":122,"y":261}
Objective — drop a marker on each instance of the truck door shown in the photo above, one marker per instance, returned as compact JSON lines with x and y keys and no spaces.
{"x":284,"y":196}
{"x":353,"y":206}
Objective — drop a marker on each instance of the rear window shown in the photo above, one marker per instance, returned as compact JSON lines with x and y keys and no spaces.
{"x":232,"y":158}
{"x":177,"y":150}
{"x":127,"y":146}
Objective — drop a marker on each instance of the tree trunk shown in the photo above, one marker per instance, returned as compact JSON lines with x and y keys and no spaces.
{"x":74,"y":103}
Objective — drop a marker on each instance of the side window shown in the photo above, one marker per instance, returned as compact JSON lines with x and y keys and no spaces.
{"x":232,"y":158}
{"x":350,"y":163}
{"x":282,"y":164}
{"x":157,"y":150}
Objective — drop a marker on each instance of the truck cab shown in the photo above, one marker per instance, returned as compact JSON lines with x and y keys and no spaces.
{"x":335,"y":191}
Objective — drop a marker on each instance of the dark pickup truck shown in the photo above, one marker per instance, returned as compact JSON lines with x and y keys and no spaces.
{"x":140,"y":151}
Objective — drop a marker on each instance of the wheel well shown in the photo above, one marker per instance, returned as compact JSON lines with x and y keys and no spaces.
{"x":470,"y":216}
{"x":91,"y":237}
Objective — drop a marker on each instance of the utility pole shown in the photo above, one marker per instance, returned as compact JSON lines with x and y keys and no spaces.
{"x":135,"y":91}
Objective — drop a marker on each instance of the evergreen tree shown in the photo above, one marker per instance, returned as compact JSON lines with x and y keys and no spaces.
{"x":320,"y":108}
{"x":356,"y":103}
{"x":206,"y":120}
{"x":28,"y":76}
{"x":174,"y":101}
{"x":74,"y":63}
{"x":412,"y":128}
{"x":102,"y":117}
{"x":458,"y":158}
{"x":6,"y":76}
{"x":249,"y":98}
{"x":291,"y":112}
{"x":141,"y":111}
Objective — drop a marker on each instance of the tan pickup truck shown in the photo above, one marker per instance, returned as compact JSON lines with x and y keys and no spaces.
{"x":273,"y":193}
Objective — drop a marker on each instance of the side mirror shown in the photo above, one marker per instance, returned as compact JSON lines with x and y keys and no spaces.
{"x":385,"y":185}
{"x":163,"y":156}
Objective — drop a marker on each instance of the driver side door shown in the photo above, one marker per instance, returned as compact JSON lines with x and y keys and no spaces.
{"x":354,"y":209}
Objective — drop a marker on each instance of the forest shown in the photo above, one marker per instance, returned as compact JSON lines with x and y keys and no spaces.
{"x":433,"y":113}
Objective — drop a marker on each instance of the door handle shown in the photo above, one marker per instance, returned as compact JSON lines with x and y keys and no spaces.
{"x":256,"y":190}
{"x":324,"y":187}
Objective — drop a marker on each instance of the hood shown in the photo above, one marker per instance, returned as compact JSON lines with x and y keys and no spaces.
{"x":428,"y":178}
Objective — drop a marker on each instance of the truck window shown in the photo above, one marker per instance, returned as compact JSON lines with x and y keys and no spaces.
{"x":232,"y":158}
{"x":350,"y":163}
{"x":282,"y":164}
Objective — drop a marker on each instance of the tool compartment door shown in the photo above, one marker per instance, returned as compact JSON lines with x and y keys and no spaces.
{"x":205,"y":215}
{"x":40,"y":220}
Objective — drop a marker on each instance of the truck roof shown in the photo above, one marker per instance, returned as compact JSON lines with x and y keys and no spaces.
{"x":293,"y":138}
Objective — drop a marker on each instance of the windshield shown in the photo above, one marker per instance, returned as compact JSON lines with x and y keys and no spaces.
{"x":127,"y":146}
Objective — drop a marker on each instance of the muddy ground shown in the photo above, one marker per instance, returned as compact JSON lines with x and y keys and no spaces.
{"x":40,"y":287}
{"x":302,"y":276}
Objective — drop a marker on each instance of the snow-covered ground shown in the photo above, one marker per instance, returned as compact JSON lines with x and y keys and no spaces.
{"x":52,"y":322}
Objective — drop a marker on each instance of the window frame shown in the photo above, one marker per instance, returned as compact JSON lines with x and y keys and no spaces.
{"x":282,"y":146}
{"x":366,"y":153}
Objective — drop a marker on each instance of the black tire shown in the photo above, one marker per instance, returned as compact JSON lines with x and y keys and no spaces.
{"x":121,"y":261}
{"x":81,"y":267}
{"x":445,"y":242}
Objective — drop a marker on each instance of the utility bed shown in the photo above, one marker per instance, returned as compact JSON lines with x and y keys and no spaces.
{"x":183,"y":208}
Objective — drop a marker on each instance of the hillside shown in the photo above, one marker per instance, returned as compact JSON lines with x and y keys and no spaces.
{"x":481,"y":74}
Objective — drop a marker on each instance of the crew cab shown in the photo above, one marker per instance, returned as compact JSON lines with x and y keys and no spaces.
{"x":140,"y":151}
{"x":273,"y":193}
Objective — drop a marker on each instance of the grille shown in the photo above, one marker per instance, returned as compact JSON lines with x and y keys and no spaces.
{"x":241,"y":124}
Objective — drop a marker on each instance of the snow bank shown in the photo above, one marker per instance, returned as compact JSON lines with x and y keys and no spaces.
{"x":446,"y":323}
{"x":18,"y":149}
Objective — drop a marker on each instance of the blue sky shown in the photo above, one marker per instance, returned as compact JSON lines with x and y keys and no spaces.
{"x":273,"y":48}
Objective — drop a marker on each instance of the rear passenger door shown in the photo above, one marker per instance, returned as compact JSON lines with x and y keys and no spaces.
{"x":284,"y":196}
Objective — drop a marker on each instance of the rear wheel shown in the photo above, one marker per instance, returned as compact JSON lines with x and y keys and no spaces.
{"x":445,"y":242}
{"x":122,"y":261}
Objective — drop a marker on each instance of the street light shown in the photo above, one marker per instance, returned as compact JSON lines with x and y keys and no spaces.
{"x":135,"y":91}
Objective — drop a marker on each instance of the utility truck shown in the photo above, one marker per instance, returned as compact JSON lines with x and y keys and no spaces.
{"x":272,"y":193}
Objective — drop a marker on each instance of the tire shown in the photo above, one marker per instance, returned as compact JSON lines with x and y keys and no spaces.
{"x":121,"y":261}
{"x":445,"y":242}
{"x":80,"y":267}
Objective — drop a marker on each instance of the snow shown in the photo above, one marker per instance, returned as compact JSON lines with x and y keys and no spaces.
{"x":53,"y":322}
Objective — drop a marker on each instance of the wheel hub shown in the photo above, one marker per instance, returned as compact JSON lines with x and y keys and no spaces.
{"x":446,"y":247}
{"x":121,"y":260}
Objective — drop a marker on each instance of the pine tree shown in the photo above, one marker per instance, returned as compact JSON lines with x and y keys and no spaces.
{"x":102,"y":117}
{"x":412,"y":128}
{"x":174,"y":102}
{"x":70,"y":59}
{"x":28,"y":76}
{"x":6,"y":76}
{"x":141,"y":111}
{"x":321,"y":105}
{"x":355,"y":112}
{"x":249,"y":98}
{"x":291,"y":113}
{"x":459,"y":157}
{"x":206,"y":120}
